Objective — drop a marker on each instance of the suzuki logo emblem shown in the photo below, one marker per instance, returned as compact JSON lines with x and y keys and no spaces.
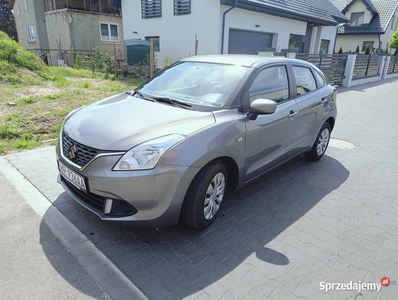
{"x":72,"y":152}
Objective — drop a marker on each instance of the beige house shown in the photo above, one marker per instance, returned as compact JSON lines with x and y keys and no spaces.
{"x":372,"y":23}
{"x":68,"y":24}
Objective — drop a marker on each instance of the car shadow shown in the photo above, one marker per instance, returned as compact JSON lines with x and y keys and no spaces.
{"x":179,"y":261}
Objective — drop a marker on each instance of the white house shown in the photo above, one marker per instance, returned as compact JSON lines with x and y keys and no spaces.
{"x":231,"y":26}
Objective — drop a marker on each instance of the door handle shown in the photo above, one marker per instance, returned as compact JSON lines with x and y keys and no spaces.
{"x":324,"y":100}
{"x":292,"y":114}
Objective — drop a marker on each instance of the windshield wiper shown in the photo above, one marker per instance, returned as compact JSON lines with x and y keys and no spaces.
{"x":173,"y":102}
{"x":137,"y":92}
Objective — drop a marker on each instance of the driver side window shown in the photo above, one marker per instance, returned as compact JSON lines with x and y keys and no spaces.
{"x":272,"y":84}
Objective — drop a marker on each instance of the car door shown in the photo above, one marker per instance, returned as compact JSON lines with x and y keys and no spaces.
{"x":310,"y":98}
{"x":269,"y":137}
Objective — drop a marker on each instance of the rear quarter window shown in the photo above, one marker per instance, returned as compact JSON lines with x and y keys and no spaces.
{"x":321,"y":80}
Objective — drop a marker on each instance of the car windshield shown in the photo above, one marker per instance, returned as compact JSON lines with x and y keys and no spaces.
{"x":206,"y":84}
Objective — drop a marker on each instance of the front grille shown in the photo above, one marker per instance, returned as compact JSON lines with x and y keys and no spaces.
{"x":95,"y":201}
{"x":83,"y":154}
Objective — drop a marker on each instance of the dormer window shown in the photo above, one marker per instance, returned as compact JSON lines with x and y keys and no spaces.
{"x":357,"y":19}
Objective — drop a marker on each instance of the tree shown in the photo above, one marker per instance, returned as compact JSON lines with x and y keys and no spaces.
{"x":340,"y":50}
{"x":7,"y":20}
{"x":357,"y":49}
{"x":394,"y":40}
{"x":367,"y":50}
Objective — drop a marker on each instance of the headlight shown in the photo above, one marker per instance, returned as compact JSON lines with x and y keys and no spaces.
{"x":146,"y":155}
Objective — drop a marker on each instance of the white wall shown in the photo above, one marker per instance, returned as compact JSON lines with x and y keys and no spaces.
{"x":177,"y":33}
{"x":329,"y":33}
{"x":247,"y":20}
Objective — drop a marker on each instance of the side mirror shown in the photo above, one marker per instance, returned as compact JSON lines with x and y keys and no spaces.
{"x":261,"y":107}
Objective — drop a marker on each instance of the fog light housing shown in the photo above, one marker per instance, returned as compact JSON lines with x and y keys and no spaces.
{"x":108,"y":206}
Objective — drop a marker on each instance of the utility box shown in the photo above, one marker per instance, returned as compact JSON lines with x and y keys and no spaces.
{"x":136,"y":50}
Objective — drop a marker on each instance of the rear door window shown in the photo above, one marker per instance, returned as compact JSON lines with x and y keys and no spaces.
{"x":305,"y":81}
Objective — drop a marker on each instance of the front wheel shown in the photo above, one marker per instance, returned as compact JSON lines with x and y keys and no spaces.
{"x":320,"y":145}
{"x":203,"y":199}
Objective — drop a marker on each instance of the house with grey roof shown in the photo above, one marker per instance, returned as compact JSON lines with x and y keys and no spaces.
{"x":372,"y":23}
{"x":231,"y":26}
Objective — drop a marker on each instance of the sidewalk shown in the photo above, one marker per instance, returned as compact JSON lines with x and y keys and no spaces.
{"x":33,"y":262}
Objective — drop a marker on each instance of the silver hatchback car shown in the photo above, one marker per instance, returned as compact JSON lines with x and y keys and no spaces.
{"x":172,"y":148}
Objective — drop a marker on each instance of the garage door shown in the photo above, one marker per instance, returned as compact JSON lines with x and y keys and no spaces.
{"x":248,"y":42}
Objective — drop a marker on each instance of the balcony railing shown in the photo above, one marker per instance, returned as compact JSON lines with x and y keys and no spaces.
{"x":91,"y":6}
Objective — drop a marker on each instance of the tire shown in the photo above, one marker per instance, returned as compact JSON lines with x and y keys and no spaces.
{"x":202,"y":203}
{"x":320,"y":145}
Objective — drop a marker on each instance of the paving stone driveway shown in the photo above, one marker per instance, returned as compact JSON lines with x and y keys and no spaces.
{"x":332,"y":221}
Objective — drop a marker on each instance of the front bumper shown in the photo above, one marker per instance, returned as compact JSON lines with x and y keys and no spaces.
{"x":154,"y":196}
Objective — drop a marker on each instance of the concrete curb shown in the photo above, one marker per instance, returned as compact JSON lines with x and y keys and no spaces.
{"x":107,"y":275}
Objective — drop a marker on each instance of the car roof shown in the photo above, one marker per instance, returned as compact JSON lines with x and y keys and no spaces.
{"x":240,"y":59}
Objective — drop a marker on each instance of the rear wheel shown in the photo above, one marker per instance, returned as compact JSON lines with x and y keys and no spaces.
{"x":204,"y":197}
{"x":320,"y":145}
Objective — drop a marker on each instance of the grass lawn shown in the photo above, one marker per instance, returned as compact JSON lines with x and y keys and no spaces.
{"x":31,"y":113}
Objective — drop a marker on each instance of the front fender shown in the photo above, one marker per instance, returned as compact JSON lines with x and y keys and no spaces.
{"x":223,"y":139}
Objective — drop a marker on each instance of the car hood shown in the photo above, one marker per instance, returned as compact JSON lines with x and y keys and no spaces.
{"x":120,"y":122}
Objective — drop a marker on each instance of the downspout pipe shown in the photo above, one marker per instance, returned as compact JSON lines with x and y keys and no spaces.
{"x":223,"y":25}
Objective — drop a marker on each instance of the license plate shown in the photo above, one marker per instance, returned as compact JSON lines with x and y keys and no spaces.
{"x":72,"y":177}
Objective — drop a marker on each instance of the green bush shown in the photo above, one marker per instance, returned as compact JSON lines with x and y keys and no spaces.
{"x":340,"y":50}
{"x":98,"y":61}
{"x":394,"y":40}
{"x":367,"y":50}
{"x":357,"y":49}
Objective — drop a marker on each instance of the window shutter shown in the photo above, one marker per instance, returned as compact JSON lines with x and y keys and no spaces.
{"x":182,"y":7}
{"x":151,"y":8}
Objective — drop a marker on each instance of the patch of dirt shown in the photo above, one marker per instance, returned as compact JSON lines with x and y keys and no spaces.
{"x":46,"y":124}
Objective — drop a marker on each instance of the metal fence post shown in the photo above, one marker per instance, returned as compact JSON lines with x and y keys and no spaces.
{"x":395,"y":62}
{"x":367,"y":67}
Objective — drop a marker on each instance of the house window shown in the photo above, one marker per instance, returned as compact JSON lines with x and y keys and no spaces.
{"x":392,"y":23}
{"x":182,"y":7}
{"x":31,"y":31}
{"x":356,"y":19}
{"x":109,"y":32}
{"x":367,"y":44}
{"x":151,"y":8}
{"x":323,"y":49}
{"x":156,"y":42}
{"x":295,"y":41}
{"x":18,"y":11}
{"x":26,"y":5}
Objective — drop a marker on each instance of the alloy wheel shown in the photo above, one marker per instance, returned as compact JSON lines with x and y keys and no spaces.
{"x":214,"y":195}
{"x":323,"y":141}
